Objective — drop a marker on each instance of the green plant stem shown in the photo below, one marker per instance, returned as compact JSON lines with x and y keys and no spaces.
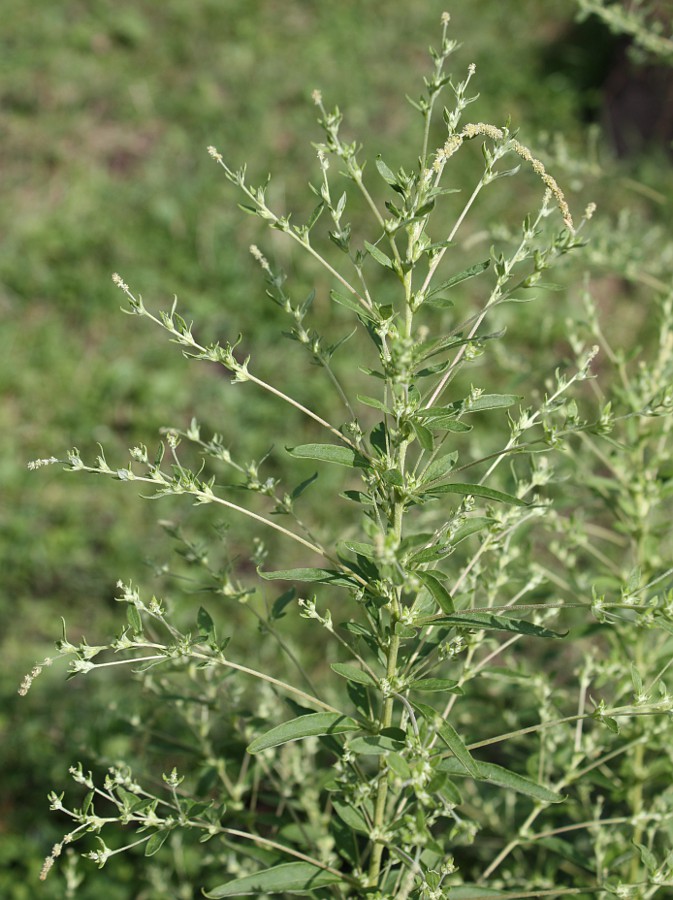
{"x":212,"y":498}
{"x":382,"y":791}
{"x":203,"y":353}
{"x":388,"y":703}
{"x":307,"y":412}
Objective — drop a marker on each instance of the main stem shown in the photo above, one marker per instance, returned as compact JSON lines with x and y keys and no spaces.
{"x":382,"y":792}
{"x":391,"y":676}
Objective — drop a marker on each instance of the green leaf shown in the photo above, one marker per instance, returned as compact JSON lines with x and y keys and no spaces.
{"x":446,"y":731}
{"x":374,"y":745}
{"x":647,"y":858}
{"x":436,"y":685}
{"x":567,"y":851}
{"x":431,"y":554}
{"x":461,"y":276}
{"x":351,"y":303}
{"x":366,"y":550}
{"x":299,"y":490}
{"x":486,"y":621}
{"x":450,"y":423}
{"x":320,"y":576}
{"x":477,"y":490}
{"x":289,"y":878}
{"x":315,"y":215}
{"x":610,"y":723}
{"x":134,"y":619}
{"x":281,"y":602}
{"x":86,"y":803}
{"x":357,"y":497}
{"x":385,"y":172}
{"x":248,"y":209}
{"x":379,"y":256}
{"x":470,"y":526}
{"x":398,"y":765}
{"x":504,"y":778}
{"x":440,"y":302}
{"x":439,"y":593}
{"x":371,"y":401}
{"x":490,"y":401}
{"x":301,"y":727}
{"x":334,"y":453}
{"x":351,"y":816}
{"x":345,"y":841}
{"x":440,"y":467}
{"x":156,"y":842}
{"x":205,"y":623}
{"x":434,"y":369}
{"x":424,"y":436}
{"x":353,"y":673}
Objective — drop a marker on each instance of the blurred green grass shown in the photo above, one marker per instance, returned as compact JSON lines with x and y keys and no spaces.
{"x":106,"y":113}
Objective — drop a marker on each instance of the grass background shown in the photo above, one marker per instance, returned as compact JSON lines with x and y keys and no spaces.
{"x":106,"y":111}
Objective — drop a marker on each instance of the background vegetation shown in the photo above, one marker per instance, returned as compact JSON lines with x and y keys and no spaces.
{"x":106,"y":113}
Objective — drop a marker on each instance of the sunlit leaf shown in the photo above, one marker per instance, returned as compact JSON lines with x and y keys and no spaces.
{"x":156,"y":842}
{"x":287,"y":878}
{"x":440,"y":467}
{"x":301,"y":727}
{"x":379,"y":255}
{"x":440,"y":594}
{"x":504,"y":778}
{"x":334,"y":453}
{"x":319,"y":576}
{"x":460,"y":276}
{"x":486,"y":621}
{"x":353,"y":673}
{"x":436,"y":685}
{"x":446,"y":731}
{"x":374,"y":745}
{"x":477,"y":490}
{"x":351,"y":303}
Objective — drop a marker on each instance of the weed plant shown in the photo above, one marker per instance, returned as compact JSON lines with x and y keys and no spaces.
{"x":458,"y":687}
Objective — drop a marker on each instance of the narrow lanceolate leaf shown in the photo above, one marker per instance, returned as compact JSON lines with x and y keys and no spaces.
{"x":439,"y":593}
{"x":490,"y":401}
{"x":506,"y":779}
{"x":446,"y":731}
{"x":319,"y":576}
{"x":299,"y":490}
{"x":372,"y":401}
{"x":301,"y":727}
{"x":438,"y":302}
{"x":440,"y":467}
{"x":205,"y":623}
{"x":436,"y":685}
{"x":385,"y":171}
{"x":156,"y":842}
{"x":351,"y":816}
{"x":567,"y":851}
{"x":477,"y":490}
{"x":470,"y":526}
{"x":424,"y":436}
{"x":353,"y":673}
{"x":450,"y":424}
{"x":486,"y":621}
{"x":379,"y":256}
{"x":374,"y":745}
{"x":352,"y":304}
{"x":460,"y":276}
{"x":362,"y":549}
{"x":287,"y":878}
{"x":342,"y":456}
